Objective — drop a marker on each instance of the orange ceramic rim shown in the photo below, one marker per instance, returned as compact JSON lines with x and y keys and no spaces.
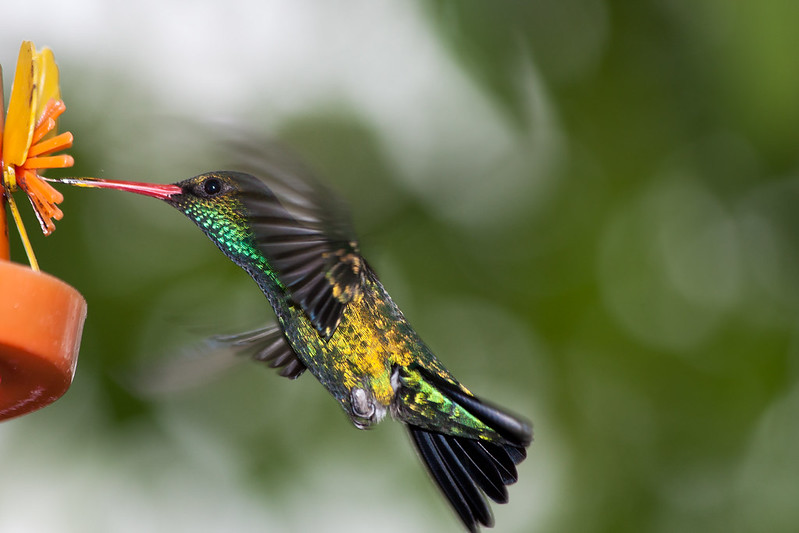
{"x":41,"y":321}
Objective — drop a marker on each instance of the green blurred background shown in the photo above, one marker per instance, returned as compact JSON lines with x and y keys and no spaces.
{"x":587,"y":209}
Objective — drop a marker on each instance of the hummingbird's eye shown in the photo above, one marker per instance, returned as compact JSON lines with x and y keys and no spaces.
{"x":212,"y":186}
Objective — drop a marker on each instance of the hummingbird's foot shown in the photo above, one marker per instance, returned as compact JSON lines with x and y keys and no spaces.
{"x":365,"y":411}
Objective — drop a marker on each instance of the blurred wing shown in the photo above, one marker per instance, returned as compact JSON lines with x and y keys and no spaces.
{"x":268,"y":345}
{"x":191,"y":367}
{"x":304,"y":231}
{"x":199,"y":364}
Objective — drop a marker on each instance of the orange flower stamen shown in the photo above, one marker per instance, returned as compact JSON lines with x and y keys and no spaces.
{"x":53,"y":144}
{"x":53,"y":161}
{"x":52,"y":110}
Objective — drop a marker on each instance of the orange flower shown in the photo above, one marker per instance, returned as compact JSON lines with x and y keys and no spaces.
{"x":29,"y":139}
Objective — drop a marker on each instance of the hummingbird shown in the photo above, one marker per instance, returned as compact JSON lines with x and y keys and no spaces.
{"x":335,"y":319}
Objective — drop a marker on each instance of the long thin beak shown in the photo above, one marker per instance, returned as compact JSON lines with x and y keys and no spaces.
{"x":162,"y":192}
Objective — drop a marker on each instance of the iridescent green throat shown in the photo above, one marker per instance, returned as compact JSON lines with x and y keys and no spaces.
{"x":225,"y":224}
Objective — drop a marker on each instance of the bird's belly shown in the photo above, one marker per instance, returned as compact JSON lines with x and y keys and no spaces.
{"x":354,"y":364}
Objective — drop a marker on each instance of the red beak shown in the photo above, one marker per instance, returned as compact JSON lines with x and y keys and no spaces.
{"x":162,"y":192}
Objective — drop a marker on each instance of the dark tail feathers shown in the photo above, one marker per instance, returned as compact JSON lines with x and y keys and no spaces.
{"x":466,"y":470}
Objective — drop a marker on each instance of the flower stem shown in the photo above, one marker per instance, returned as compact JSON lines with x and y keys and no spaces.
{"x":23,"y":234}
{"x":5,"y":253}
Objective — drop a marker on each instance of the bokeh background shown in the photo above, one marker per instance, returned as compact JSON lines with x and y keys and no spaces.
{"x":587,"y":208}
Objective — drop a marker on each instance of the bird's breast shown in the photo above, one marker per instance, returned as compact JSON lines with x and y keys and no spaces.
{"x":357,"y":362}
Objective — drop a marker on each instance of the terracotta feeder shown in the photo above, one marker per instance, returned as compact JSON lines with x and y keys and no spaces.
{"x":41,"y":317}
{"x":41,"y":321}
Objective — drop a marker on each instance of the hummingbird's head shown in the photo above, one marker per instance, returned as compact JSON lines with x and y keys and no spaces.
{"x":276,"y":223}
{"x":207,"y":197}
{"x":221,"y":203}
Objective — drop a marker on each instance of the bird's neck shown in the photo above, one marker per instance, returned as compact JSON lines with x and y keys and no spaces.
{"x":267,"y":280}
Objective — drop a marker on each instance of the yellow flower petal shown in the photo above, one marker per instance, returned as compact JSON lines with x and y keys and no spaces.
{"x":22,"y":105}
{"x":46,"y":81}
